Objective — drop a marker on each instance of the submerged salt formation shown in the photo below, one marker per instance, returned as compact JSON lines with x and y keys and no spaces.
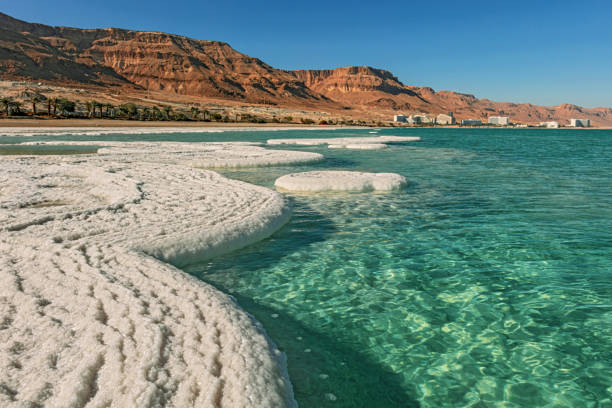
{"x":312,"y":181}
{"x":205,"y":155}
{"x":344,"y":140}
{"x":359,"y":146}
{"x":89,"y":318}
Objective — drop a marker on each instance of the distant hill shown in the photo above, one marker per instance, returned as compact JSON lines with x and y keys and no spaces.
{"x":129,"y":60}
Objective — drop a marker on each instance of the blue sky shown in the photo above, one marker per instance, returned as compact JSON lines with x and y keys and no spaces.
{"x":543,"y":52}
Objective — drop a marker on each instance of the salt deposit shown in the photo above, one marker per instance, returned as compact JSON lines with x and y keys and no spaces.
{"x":205,"y":155}
{"x":344,"y":140}
{"x":359,"y":146}
{"x":89,"y":318}
{"x":339,"y":181}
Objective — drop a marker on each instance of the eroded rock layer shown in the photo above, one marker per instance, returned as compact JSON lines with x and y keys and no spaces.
{"x":132,"y":61}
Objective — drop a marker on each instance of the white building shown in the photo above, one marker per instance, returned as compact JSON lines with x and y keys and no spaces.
{"x":499,"y":120}
{"x":400,"y":118}
{"x":550,"y":125}
{"x":471,"y":122}
{"x":444,"y":119}
{"x":580,"y":122}
{"x":419,"y":119}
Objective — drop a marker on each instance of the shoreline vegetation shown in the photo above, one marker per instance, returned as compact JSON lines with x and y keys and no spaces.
{"x":54,"y":108}
{"x":38,"y":110}
{"x":112,"y":123}
{"x":42,"y":122}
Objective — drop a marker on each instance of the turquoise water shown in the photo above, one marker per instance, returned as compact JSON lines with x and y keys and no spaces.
{"x":486,"y":283}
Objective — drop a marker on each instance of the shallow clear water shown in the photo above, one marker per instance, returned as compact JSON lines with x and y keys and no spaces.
{"x":486,"y":283}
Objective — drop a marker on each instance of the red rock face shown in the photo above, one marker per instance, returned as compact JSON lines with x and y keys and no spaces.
{"x":132,"y":60}
{"x":375,"y":88}
{"x":145,"y":60}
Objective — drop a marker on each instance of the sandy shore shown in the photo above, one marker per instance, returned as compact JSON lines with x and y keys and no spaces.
{"x":105,"y":123}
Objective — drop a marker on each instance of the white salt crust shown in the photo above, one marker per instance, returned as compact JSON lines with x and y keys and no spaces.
{"x":89,"y":318}
{"x":344,"y":140}
{"x":202,"y":155}
{"x":313,"y":181}
{"x":359,"y":146}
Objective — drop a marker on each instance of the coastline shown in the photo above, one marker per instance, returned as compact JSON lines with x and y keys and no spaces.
{"x":110,"y":123}
{"x":222,"y":126}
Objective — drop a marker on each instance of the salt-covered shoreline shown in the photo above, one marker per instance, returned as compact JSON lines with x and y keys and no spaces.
{"x":89,"y":313}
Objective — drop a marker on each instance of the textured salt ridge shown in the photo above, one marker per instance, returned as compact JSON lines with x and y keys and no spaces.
{"x":88,"y":319}
{"x":345,"y":140}
{"x":97,"y":131}
{"x":359,"y":146}
{"x":204,"y":155}
{"x":313,"y":181}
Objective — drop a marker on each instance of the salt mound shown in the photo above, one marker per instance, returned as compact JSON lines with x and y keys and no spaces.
{"x":339,"y":181}
{"x":359,"y":146}
{"x":344,"y":140}
{"x":89,"y":318}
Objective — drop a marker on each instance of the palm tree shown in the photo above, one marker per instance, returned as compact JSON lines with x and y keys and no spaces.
{"x":34,"y":99}
{"x":195,"y":112}
{"x":146,"y":113}
{"x":156,"y":113}
{"x":5,"y":102}
{"x":15,"y":106}
{"x":64,"y":106}
{"x":108,"y":107}
{"x":89,"y":107}
{"x":53,"y":102}
{"x":122,"y":110}
{"x":95,"y":105}
{"x":167,"y":110}
{"x":130,"y":109}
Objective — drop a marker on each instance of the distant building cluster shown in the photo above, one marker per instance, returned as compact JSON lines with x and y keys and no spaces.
{"x":423,"y":119}
{"x":449,"y":119}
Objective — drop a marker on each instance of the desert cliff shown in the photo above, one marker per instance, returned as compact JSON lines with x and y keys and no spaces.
{"x":131,"y":62}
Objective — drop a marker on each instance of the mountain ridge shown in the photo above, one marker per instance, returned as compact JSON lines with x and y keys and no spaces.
{"x":132,"y":60}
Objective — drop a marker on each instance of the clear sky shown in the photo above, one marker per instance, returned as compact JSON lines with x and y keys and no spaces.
{"x":540,"y":51}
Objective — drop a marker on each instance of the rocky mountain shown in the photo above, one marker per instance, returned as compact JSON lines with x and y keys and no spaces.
{"x":130,"y":61}
{"x":141,"y":60}
{"x":372,"y":88}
